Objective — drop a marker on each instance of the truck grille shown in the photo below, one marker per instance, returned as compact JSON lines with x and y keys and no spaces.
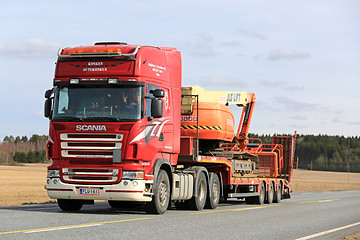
{"x":85,"y":145}
{"x":90,"y":175}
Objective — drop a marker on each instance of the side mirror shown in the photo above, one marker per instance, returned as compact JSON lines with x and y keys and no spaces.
{"x":158,"y":93}
{"x":156,"y":107}
{"x":48,"y":93}
{"x":47,"y":107}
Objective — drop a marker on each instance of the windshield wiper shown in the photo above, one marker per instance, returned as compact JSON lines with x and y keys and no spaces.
{"x":68,"y":119}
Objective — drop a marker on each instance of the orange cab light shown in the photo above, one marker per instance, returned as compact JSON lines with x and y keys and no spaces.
{"x":94,"y":50}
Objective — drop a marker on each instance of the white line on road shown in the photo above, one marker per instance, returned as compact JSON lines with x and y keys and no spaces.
{"x":328,"y":231}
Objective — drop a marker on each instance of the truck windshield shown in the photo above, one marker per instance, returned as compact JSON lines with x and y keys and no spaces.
{"x":96,"y":104}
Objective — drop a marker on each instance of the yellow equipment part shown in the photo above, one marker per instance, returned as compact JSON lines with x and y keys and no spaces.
{"x":239,"y":98}
{"x":216,"y":120}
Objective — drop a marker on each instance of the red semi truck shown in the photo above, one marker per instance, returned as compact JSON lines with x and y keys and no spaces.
{"x":123,"y":129}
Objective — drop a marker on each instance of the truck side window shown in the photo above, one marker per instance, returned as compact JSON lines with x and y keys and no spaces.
{"x":63,"y":100}
{"x":148,"y":100}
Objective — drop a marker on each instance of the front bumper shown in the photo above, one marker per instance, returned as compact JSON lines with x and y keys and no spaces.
{"x":126,"y":190}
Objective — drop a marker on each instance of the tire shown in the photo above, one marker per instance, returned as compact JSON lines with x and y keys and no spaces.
{"x":161,"y":198}
{"x":70,"y":205}
{"x":261,"y":198}
{"x":198,"y":202}
{"x":270,"y":194}
{"x":213,"y":198}
{"x":278,"y":193}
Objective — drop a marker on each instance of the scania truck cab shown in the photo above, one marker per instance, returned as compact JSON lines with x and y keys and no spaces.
{"x":114,"y":113}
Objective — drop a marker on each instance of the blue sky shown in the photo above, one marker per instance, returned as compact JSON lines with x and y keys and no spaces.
{"x":300,"y":58}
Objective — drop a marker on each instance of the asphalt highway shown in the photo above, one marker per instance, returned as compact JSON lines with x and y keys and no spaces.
{"x":311,"y":215}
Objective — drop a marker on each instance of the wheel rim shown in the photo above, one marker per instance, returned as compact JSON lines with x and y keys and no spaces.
{"x":163,"y":192}
{"x":262,"y":193}
{"x":215,"y":191}
{"x":271,"y":192}
{"x":201,"y":191}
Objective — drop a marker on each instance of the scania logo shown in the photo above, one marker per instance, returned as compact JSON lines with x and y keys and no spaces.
{"x":90,"y":128}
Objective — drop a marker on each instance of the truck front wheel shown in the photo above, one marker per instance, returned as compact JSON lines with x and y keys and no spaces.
{"x":70,"y":204}
{"x":161,"y":198}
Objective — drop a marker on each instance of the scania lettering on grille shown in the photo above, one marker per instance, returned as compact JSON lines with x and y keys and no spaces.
{"x":90,"y":128}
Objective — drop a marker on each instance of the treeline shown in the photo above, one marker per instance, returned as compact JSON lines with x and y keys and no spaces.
{"x":325,"y":153}
{"x":23,"y":149}
{"x":321,"y":152}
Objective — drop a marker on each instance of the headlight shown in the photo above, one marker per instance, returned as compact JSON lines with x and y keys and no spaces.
{"x":53,"y":173}
{"x":132,"y":175}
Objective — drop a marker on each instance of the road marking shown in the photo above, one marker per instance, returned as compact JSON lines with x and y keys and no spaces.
{"x":238,"y":209}
{"x":320,"y":201}
{"x":328,"y":231}
{"x":73,"y":226}
{"x":62,"y":228}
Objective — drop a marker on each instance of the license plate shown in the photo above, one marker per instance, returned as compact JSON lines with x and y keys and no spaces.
{"x":89,"y":191}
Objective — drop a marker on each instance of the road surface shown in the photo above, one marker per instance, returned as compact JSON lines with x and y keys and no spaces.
{"x":312,"y":215}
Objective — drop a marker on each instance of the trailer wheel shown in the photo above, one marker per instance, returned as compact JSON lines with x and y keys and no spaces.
{"x":70,"y":205}
{"x":161,"y":198}
{"x":214,"y":196}
{"x":198,"y":202}
{"x":261,"y":198}
{"x":270,"y":194}
{"x":278,"y":193}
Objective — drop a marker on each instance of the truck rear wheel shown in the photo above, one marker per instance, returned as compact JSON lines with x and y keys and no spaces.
{"x":161,"y":198}
{"x":261,"y":198}
{"x":70,"y":205}
{"x":270,"y":194}
{"x":198,"y":202}
{"x":278,"y":193}
{"x":214,"y":195}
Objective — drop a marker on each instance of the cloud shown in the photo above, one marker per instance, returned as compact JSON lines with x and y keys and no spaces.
{"x":250,"y":34}
{"x":203,"y":45}
{"x":271,"y":82}
{"x":354,"y":123}
{"x":230,"y":44}
{"x":223,"y":81}
{"x":299,"y":117}
{"x":294,"y":88}
{"x":281,"y":84}
{"x":281,"y":54}
{"x":297,"y":106}
{"x":31,"y":48}
{"x":36,"y":114}
{"x":336,"y":120}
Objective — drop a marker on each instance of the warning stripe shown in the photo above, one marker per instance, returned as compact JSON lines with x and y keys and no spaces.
{"x":201,"y":127}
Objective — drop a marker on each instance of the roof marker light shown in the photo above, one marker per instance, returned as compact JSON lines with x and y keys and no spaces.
{"x":97,"y":50}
